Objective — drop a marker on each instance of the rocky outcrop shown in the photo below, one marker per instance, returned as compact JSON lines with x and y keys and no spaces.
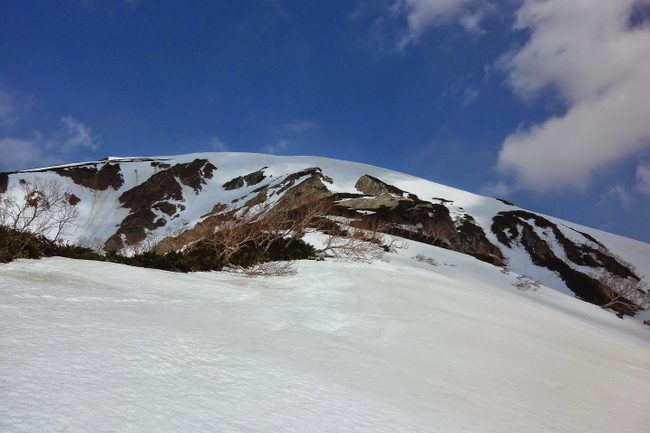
{"x":403,"y":214}
{"x":517,"y":228}
{"x":4,"y":182}
{"x":99,"y":179}
{"x":157,"y":193}
{"x":250,"y":179}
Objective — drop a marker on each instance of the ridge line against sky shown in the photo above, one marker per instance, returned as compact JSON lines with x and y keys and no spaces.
{"x":545,"y":102}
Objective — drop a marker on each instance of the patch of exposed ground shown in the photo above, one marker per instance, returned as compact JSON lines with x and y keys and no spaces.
{"x":100,"y":179}
{"x":518,"y":228}
{"x":401,"y":213}
{"x":156,"y":193}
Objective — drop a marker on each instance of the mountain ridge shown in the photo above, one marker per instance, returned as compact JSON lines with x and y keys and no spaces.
{"x":126,"y":202}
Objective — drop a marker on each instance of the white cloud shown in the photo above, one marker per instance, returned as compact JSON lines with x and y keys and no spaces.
{"x":74,"y":134}
{"x":18,"y":153}
{"x":643,"y":177}
{"x":280,"y":147}
{"x":218,"y":145}
{"x":7,"y":110}
{"x":600,"y":66}
{"x":423,"y":14}
{"x":497,"y":189}
{"x":620,"y":194}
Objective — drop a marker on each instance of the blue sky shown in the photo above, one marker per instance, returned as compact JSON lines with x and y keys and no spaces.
{"x":543,"y":102}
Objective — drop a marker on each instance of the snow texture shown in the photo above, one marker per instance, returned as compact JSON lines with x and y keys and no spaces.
{"x":397,"y":345}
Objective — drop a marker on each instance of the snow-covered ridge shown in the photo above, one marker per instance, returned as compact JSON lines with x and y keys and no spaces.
{"x":125,"y":201}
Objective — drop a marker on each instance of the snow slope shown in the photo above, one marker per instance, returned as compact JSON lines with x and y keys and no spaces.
{"x":102,"y":214}
{"x":394,"y":345}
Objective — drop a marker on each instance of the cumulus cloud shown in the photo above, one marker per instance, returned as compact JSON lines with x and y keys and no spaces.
{"x":643,"y":177}
{"x":598,"y":60}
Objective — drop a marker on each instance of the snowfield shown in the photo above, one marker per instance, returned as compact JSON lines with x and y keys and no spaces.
{"x":397,"y":345}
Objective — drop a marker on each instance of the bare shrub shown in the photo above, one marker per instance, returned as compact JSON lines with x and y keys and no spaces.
{"x":93,"y":243}
{"x":38,"y":210}
{"x":425,"y":259}
{"x":525,"y":283}
{"x":624,"y":293}
{"x":41,"y":207}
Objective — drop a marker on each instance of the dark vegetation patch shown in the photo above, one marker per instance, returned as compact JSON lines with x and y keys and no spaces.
{"x":25,"y":245}
{"x":204,"y":258}
{"x":108,"y":176}
{"x":16,"y":244}
{"x":514,"y":227}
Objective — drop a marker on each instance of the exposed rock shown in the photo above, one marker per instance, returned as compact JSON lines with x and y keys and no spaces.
{"x":370,"y":185}
{"x":514,"y":227}
{"x":235,"y":183}
{"x":156,"y":193}
{"x":312,"y":188}
{"x":290,"y":180}
{"x":249,"y":180}
{"x":195,"y":173}
{"x":371,"y":203}
{"x":504,"y":201}
{"x":404,"y":214}
{"x":217,"y":208}
{"x":108,"y":176}
{"x":255,"y":177}
{"x":73,"y":200}
{"x":4,"y":182}
{"x":258,"y":199}
{"x":165,"y":207}
{"x":474,"y":242}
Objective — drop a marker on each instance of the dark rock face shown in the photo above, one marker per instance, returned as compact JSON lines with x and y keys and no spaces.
{"x":517,"y":228}
{"x":156,"y":193}
{"x":249,"y":180}
{"x":404,"y":214}
{"x":108,"y":176}
{"x":4,"y":182}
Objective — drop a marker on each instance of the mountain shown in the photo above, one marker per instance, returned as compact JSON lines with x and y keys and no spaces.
{"x":441,"y":333}
{"x":131,"y":204}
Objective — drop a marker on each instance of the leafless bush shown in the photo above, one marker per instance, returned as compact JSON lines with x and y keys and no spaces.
{"x":525,"y":283}
{"x":628,"y":293}
{"x":93,"y":243}
{"x":275,"y":269}
{"x":43,"y":208}
{"x":425,"y":259}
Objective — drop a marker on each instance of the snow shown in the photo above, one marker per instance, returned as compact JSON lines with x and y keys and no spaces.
{"x":392,"y":345}
{"x":102,"y":214}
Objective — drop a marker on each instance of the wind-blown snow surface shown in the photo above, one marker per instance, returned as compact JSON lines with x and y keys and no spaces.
{"x":388,"y":346}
